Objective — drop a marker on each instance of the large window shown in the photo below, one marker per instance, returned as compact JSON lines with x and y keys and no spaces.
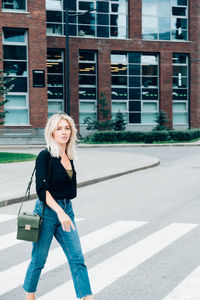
{"x":87,"y":85}
{"x":15,"y":67}
{"x":135,"y":85}
{"x":180,"y":89}
{"x":105,"y":18}
{"x":14,"y":5}
{"x":55,"y":81}
{"x":55,"y":17}
{"x":165,"y":20}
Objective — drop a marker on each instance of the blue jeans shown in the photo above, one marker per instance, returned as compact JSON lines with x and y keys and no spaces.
{"x":70,"y":244}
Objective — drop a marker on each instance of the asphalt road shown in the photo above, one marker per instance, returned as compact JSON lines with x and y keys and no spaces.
{"x":146,"y":235}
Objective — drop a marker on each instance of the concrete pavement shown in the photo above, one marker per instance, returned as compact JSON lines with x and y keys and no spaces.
{"x":92,"y":165}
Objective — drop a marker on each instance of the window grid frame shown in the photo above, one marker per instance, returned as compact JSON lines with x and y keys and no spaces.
{"x":95,"y":25}
{"x":171,"y":17}
{"x":11,"y":10}
{"x":141,"y":88}
{"x":174,"y":101}
{"x":63,"y":76}
{"x":26,"y":94}
{"x":87,"y":100}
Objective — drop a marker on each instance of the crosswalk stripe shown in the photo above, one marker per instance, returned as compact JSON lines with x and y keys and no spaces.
{"x":14,"y":276}
{"x":105,"y":273}
{"x":189,"y":288}
{"x":5,"y":218}
{"x":8,"y":240}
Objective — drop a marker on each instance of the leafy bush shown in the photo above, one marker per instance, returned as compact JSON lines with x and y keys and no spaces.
{"x":145,"y":137}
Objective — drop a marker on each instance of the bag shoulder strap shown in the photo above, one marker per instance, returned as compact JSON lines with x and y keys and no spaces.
{"x":28,"y":190}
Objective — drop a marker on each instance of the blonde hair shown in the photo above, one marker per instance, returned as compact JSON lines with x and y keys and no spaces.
{"x":52,"y":146}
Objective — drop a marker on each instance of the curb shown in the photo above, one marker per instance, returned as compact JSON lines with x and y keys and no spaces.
{"x":86,"y":182}
{"x":102,"y":145}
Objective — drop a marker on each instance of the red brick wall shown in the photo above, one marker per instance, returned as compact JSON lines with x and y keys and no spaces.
{"x":35,"y":22}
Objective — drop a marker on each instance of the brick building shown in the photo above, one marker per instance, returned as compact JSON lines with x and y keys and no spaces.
{"x":142,"y":55}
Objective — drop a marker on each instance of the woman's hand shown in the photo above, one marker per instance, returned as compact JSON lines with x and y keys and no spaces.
{"x":65,"y":220}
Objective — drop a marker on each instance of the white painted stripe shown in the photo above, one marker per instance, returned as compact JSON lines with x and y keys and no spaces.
{"x":5,"y":218}
{"x":110,"y":270}
{"x":8,"y":240}
{"x":13,"y":277}
{"x":188,"y":289}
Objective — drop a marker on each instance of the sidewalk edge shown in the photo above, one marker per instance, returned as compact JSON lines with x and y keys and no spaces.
{"x":86,"y":182}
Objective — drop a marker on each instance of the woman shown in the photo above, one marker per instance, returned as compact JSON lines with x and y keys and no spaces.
{"x":56,"y":186}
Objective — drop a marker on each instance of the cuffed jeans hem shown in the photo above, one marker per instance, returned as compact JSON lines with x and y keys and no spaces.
{"x":85,"y":296}
{"x":29,"y":291}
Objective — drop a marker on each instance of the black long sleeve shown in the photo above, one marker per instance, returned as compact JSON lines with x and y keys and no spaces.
{"x":59,"y":184}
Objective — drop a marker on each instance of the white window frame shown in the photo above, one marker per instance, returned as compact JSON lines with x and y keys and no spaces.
{"x":102,"y":13}
{"x":15,"y":10}
{"x":55,"y":99}
{"x":171,"y":19}
{"x":26,"y":94}
{"x":19,"y":108}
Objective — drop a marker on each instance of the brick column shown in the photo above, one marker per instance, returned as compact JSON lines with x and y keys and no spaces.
{"x":135,"y":19}
{"x":166,"y":85}
{"x":104,"y":75}
{"x":74,"y":80}
{"x":37,"y":49}
{"x":194,"y":36}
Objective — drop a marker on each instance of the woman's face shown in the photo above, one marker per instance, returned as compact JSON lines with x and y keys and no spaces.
{"x":62,"y":133}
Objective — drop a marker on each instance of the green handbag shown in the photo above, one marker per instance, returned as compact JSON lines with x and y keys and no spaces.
{"x":28,"y":225}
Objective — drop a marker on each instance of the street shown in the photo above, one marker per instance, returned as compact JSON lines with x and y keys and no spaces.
{"x":139,"y":234}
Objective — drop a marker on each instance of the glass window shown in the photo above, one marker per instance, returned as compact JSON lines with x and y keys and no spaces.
{"x":119,"y":106}
{"x":149,"y":118}
{"x":55,"y":106}
{"x":178,"y":11}
{"x":54,"y":4}
{"x":150,"y":106}
{"x":16,"y":117}
{"x":85,"y":5}
{"x":55,"y":81}
{"x":179,"y":2}
{"x":165,"y":20}
{"x":180,"y":118}
{"x":87,"y":80}
{"x":17,"y":108}
{"x":55,"y":22}
{"x":87,"y":106}
{"x":119,"y":93}
{"x":149,"y":70}
{"x":87,"y":85}
{"x":14,"y":52}
{"x":19,"y":84}
{"x":14,"y":35}
{"x":54,"y":67}
{"x":180,"y":88}
{"x":16,"y":68}
{"x":83,"y":115}
{"x":15,"y":101}
{"x":149,"y":9}
{"x":135,"y":79}
{"x":179,"y":106}
{"x":134,"y":105}
{"x":99,"y":19}
{"x":14,"y":5}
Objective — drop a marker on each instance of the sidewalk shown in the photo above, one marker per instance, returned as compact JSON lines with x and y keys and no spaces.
{"x":92,"y":166}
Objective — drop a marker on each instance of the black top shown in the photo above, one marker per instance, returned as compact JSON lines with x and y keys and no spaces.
{"x":60,"y":185}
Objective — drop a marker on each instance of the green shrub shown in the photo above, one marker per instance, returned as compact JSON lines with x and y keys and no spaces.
{"x":145,"y":137}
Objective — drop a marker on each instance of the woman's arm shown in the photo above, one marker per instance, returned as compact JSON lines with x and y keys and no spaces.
{"x":64,"y":219}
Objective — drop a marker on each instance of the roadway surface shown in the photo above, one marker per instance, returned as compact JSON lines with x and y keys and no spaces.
{"x":139,"y":233}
